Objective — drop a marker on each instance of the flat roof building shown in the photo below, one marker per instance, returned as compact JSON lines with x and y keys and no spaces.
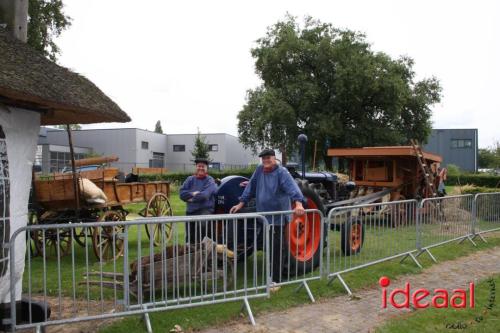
{"x":141,"y":148}
{"x":456,"y":146}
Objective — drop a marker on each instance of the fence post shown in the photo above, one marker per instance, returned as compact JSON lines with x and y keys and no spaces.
{"x":474,"y":217}
{"x":418,"y":227}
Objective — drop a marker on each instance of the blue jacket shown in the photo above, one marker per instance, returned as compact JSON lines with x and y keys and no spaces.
{"x":203,"y":200}
{"x":273,"y":191}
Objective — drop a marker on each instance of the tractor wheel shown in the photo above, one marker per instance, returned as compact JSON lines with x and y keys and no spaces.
{"x":303,"y":237}
{"x":352,"y":237}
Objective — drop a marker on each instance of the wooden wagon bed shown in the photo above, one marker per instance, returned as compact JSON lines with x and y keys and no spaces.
{"x":57,"y":192}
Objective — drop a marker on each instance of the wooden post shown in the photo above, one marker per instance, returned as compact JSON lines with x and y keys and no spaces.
{"x":73,"y":169}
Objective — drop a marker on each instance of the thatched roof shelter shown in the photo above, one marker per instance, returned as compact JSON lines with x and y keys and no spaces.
{"x":31,"y":81}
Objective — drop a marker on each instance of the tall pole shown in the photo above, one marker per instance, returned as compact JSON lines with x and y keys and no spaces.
{"x":73,"y":169}
{"x":302,"y":141}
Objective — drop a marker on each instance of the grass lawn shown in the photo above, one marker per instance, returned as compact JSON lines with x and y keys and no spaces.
{"x":479,"y":319}
{"x":204,"y":316}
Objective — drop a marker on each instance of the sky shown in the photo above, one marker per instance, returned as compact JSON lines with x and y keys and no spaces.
{"x":188,"y":63}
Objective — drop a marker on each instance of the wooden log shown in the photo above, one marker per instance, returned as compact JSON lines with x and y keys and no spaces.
{"x":96,"y":160}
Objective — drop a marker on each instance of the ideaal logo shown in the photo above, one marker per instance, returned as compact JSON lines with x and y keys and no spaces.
{"x":440,"y":299}
{"x":460,"y":298}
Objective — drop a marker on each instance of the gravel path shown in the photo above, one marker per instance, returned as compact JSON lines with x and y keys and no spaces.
{"x":363,"y":313}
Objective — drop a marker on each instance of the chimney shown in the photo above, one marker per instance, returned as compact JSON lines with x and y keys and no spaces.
{"x":14,"y":13}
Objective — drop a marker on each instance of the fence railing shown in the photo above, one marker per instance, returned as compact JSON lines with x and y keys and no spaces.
{"x":296,"y":247}
{"x":369,"y":234}
{"x":191,"y":261}
{"x":201,"y":260}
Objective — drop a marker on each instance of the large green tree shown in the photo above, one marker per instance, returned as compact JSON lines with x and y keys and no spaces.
{"x":46,"y":21}
{"x":489,"y":158}
{"x":329,"y":84}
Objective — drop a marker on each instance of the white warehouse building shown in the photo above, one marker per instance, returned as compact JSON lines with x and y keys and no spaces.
{"x":141,"y":148}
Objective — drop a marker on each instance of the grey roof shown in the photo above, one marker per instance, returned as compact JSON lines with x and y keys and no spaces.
{"x":29,"y":80}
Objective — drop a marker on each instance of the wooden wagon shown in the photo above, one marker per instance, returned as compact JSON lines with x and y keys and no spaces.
{"x":391,"y":173}
{"x":56,"y":202}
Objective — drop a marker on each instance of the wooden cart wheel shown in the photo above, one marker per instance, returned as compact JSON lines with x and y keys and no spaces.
{"x":80,"y":237}
{"x":55,"y":242}
{"x":159,"y":205}
{"x":107,"y":241}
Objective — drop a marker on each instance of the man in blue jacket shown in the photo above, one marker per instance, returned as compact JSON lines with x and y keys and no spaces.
{"x":198,"y":191}
{"x":274,"y":189}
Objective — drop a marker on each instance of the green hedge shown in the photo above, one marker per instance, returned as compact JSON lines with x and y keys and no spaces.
{"x":473,"y":179}
{"x":180,"y":177}
{"x":476,"y":189}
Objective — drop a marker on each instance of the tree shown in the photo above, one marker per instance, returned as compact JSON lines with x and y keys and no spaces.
{"x":328,"y":84}
{"x":489,"y":158}
{"x":158,"y":128}
{"x":46,"y":20}
{"x":201,"y":149}
{"x":72,"y":127}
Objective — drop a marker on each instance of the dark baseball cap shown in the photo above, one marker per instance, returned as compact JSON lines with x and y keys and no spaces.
{"x":201,"y":160}
{"x":267,"y":152}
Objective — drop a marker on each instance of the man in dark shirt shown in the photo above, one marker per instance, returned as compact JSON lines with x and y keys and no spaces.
{"x":198,"y":191}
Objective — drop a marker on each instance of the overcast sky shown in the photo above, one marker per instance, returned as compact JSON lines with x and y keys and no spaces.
{"x":188,"y":63}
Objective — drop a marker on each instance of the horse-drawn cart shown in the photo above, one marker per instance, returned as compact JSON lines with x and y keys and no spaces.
{"x":100,"y":197}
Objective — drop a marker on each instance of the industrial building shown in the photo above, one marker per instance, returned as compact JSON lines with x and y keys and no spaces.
{"x":139,"y":148}
{"x":456,"y":146}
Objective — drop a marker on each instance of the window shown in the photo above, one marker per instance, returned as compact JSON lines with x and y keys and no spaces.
{"x":213,"y":147}
{"x":60,"y":159}
{"x":461,"y":143}
{"x":144,"y":145}
{"x":158,"y":160}
{"x":179,"y":147}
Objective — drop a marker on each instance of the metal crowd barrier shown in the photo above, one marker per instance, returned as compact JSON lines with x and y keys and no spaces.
{"x":443,"y":220}
{"x":369,"y":234}
{"x":296,"y":247}
{"x":486,"y":214}
{"x":197,"y":260}
{"x":201,"y":260}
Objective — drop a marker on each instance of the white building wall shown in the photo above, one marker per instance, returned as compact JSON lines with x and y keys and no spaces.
{"x":156,"y":143}
{"x":120,"y":142}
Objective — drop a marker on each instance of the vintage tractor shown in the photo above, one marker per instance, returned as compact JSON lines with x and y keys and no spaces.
{"x":302,"y":235}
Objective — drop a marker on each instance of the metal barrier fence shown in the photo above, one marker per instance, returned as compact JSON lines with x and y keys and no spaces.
{"x":197,"y":260}
{"x":200,"y":260}
{"x":486,"y":214}
{"x":296,"y":246}
{"x":443,"y":220}
{"x":369,"y":234}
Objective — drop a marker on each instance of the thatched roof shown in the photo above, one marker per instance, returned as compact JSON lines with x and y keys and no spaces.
{"x":29,"y":80}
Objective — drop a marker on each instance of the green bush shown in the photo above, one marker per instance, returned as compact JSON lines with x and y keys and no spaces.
{"x":180,"y":177}
{"x":474,"y":179}
{"x":472,"y":189}
{"x":453,"y":170}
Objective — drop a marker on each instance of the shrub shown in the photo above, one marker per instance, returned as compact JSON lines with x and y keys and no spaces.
{"x":473,"y":189}
{"x":179,"y":177}
{"x":480,"y":180}
{"x":453,"y":170}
